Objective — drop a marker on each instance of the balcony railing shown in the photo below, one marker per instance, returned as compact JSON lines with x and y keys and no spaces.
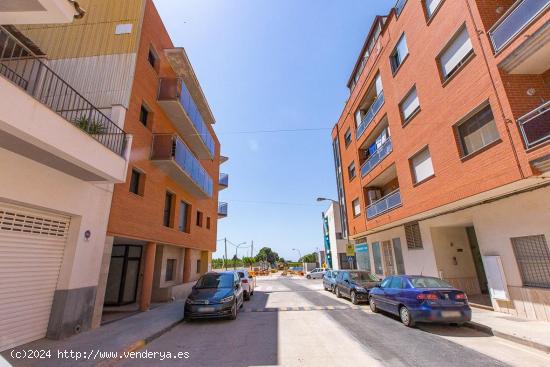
{"x":22,"y":67}
{"x":171,"y":147}
{"x":224,"y":180}
{"x":369,"y":116}
{"x":377,"y":157}
{"x":535,"y":126}
{"x":176,"y":89}
{"x":385,"y":204}
{"x":515,"y":20}
{"x":222,"y":209}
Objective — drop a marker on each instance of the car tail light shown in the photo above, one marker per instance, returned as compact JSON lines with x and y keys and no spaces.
{"x":245,"y":280}
{"x":427,"y":296}
{"x":461,"y":296}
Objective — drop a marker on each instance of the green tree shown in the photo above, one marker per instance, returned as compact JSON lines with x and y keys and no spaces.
{"x":248,"y":261}
{"x":309,"y":258}
{"x":268,"y":255}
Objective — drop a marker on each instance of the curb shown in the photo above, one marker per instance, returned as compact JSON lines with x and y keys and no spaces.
{"x":516,"y":339}
{"x":137,"y":345}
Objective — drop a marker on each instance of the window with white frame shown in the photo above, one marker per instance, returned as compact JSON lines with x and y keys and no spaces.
{"x":477,"y":131}
{"x":421,"y":165}
{"x":409,"y":105}
{"x":356,"y":207}
{"x":456,"y":53}
{"x":431,"y":6}
{"x":399,"y":53}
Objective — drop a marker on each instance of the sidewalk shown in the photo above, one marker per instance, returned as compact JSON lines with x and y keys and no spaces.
{"x":124,"y":335}
{"x":535,"y":334}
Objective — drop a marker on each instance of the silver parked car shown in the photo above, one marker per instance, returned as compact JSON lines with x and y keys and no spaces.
{"x":329,"y":280}
{"x":247,"y":282}
{"x":316,"y":273}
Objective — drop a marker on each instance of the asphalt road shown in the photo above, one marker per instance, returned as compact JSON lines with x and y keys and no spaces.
{"x":294,"y":322}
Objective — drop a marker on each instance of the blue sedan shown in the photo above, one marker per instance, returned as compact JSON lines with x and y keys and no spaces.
{"x":420,"y":299}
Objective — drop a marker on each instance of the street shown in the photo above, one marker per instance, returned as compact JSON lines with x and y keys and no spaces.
{"x":294,"y":322}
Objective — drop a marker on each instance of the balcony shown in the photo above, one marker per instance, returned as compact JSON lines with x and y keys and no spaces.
{"x":384,"y":204}
{"x":171,"y":154}
{"x":385,"y":149}
{"x":224,"y":181}
{"x":222,"y":210}
{"x":45,"y":119}
{"x":399,"y":5}
{"x":514,"y":21}
{"x":535,"y":126}
{"x":178,"y":104}
{"x":369,"y":116}
{"x":39,"y":11}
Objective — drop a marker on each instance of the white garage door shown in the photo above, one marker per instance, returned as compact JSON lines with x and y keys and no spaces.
{"x":31,"y":251}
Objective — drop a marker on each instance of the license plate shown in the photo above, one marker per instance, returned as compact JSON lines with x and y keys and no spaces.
{"x":206,"y":309}
{"x":450,"y":314}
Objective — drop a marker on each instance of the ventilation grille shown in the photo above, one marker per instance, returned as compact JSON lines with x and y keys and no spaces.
{"x":16,"y":221}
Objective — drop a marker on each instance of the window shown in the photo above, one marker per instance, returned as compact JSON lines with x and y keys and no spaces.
{"x":432,"y":6}
{"x":412,"y":233}
{"x":137,"y":182}
{"x":144,"y":115}
{"x":207,"y":222}
{"x":477,"y":131}
{"x":152,"y":58}
{"x":533,"y":257}
{"x":198,"y":266}
{"x":409,"y":106}
{"x":455,"y":54}
{"x":347,"y":137}
{"x":185,"y":210}
{"x":168,"y":200}
{"x":396,"y":283}
{"x":377,"y":256}
{"x":386,"y":282}
{"x":170,"y":269}
{"x":421,"y":165}
{"x":339,"y":236}
{"x":399,"y":262}
{"x":199,"y":218}
{"x":351,"y":171}
{"x":399,"y":53}
{"x":356,"y":207}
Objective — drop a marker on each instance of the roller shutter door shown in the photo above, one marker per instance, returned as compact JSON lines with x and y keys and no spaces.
{"x":32,"y":244}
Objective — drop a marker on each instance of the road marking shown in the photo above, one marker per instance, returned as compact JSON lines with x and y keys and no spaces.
{"x":305,"y":308}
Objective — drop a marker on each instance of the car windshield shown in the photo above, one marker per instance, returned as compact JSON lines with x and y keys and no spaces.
{"x":215,"y":281}
{"x":362,"y":276}
{"x":241,"y":274}
{"x":425,"y":282}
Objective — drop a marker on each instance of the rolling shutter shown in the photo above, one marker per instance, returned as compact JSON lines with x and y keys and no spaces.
{"x":32,"y":244}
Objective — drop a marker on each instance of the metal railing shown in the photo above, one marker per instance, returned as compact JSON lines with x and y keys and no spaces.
{"x":222,"y":209}
{"x":535,"y":126}
{"x":22,"y":67}
{"x":224,"y":179}
{"x":167,"y":146}
{"x":516,"y":19}
{"x":385,"y":204}
{"x":369,"y":116}
{"x":377,"y":157}
{"x":176,"y":89}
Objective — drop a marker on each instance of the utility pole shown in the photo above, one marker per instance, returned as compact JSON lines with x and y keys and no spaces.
{"x":225,"y":241}
{"x":252,"y":249}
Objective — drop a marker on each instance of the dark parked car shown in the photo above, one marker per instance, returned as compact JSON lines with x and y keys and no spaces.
{"x":421,"y":299}
{"x":329,"y":280}
{"x":216,"y":294}
{"x":355,"y":285}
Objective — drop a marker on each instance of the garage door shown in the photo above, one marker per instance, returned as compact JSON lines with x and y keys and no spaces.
{"x":31,"y":251}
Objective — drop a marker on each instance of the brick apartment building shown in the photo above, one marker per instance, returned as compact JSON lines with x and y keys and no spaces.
{"x":442,"y":151}
{"x":162,"y":226}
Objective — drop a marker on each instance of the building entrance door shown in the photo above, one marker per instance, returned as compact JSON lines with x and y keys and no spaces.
{"x":476,"y":254}
{"x":389,"y":263}
{"x":122,"y":282}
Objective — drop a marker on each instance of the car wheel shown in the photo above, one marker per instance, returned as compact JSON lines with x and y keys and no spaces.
{"x":372,"y":305}
{"x":233,"y":311}
{"x":353,"y":298}
{"x":406,"y":317}
{"x":332,"y":288}
{"x":338,"y":295}
{"x":246,"y":296}
{"x":242,"y":301}
{"x":309,"y":277}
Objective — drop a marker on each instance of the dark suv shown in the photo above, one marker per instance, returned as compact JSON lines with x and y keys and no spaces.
{"x":355,"y":285}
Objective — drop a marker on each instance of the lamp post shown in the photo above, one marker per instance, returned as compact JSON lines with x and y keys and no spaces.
{"x":236,"y":257}
{"x":299,"y":253}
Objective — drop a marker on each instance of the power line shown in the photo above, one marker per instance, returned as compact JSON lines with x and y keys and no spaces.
{"x":274,"y":203}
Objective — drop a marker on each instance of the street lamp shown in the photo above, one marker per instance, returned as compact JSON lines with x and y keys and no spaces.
{"x":325,"y":199}
{"x":299,"y":253}
{"x":236,"y":257}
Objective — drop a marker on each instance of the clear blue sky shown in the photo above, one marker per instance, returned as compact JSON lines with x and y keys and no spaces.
{"x":268,"y":65}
